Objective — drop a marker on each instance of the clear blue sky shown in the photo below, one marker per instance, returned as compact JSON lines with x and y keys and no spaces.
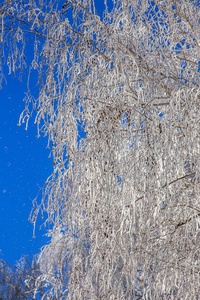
{"x":24,"y":168}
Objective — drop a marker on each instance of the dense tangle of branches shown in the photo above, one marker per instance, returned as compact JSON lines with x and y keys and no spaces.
{"x":119,"y":100}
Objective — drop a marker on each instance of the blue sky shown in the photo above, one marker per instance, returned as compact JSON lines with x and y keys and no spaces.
{"x":24,"y":168}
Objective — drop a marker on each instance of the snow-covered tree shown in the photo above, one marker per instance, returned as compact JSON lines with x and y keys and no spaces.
{"x":119,"y":99}
{"x":13,"y":279}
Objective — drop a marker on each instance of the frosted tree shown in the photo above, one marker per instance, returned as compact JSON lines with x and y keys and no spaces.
{"x":119,"y":100}
{"x":13,"y":279}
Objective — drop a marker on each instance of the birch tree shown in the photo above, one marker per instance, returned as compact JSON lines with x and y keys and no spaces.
{"x":13,"y":279}
{"x":119,"y":100}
